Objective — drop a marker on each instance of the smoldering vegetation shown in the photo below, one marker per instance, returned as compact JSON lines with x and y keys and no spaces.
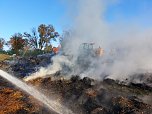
{"x":80,"y":94}
{"x":127,"y":47}
{"x":89,"y":96}
{"x":119,"y":81}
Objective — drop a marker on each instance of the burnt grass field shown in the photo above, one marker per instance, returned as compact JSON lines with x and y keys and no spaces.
{"x":81,"y":95}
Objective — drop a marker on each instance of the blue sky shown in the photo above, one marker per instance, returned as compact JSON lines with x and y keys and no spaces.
{"x":131,"y":10}
{"x":23,"y":15}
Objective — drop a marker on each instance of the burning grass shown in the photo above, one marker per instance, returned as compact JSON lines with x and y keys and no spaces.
{"x":84,"y":96}
{"x":80,"y":95}
{"x":94,"y":98}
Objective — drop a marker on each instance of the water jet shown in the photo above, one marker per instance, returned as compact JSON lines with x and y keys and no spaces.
{"x":52,"y":105}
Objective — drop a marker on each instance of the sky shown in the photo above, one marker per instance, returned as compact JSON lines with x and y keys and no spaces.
{"x":22,"y":15}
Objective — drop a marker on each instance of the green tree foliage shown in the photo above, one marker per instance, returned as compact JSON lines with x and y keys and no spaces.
{"x":17,"y":43}
{"x":38,"y":39}
{"x":41,"y":37}
{"x":46,"y":33}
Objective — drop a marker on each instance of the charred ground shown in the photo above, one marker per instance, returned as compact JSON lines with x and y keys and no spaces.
{"x":83,"y":96}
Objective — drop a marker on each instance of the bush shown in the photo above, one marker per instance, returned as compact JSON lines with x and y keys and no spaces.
{"x":32,"y":52}
{"x":10,"y":52}
{"x":2,"y":51}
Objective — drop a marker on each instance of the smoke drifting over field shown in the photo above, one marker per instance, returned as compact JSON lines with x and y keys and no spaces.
{"x":58,"y":62}
{"x":127,"y":47}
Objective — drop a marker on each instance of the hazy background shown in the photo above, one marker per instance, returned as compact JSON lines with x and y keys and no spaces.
{"x":121,"y":26}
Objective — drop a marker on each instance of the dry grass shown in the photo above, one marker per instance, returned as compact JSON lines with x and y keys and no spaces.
{"x":14,"y":101}
{"x":4,"y":57}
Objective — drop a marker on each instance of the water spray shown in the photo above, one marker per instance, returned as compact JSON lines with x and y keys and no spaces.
{"x":49,"y":103}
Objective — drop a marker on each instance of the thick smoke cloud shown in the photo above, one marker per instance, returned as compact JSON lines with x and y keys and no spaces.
{"x":127,"y":47}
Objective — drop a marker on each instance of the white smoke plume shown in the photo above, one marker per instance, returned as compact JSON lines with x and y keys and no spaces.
{"x":58,"y":62}
{"x":127,"y":46}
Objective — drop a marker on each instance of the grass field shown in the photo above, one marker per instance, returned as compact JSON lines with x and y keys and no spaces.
{"x":4,"y":57}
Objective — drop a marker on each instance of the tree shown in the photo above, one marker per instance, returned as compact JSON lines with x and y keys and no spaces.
{"x":17,"y":43}
{"x":2,"y":42}
{"x":46,"y":33}
{"x":32,"y":38}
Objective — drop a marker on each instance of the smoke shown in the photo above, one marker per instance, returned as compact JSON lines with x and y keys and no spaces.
{"x":57,"y":65}
{"x":127,"y":46}
{"x":88,"y":26}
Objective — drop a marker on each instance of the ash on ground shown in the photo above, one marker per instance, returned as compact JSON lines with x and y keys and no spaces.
{"x":82,"y":96}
